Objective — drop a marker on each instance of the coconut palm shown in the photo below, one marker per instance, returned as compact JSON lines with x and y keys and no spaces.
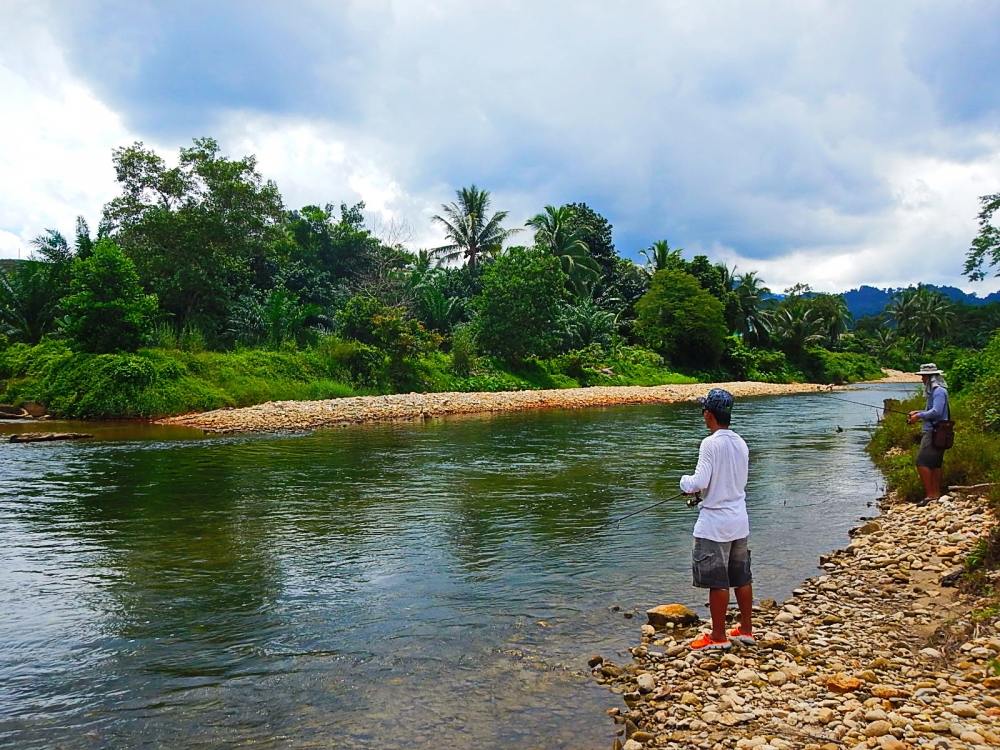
{"x":923,"y":314}
{"x":750,"y":292}
{"x":554,"y":231}
{"x":795,"y":327}
{"x":470,"y":230}
{"x":659,"y":256}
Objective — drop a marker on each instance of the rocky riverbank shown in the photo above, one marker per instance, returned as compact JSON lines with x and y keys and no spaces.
{"x":876,"y":652}
{"x":306,"y":415}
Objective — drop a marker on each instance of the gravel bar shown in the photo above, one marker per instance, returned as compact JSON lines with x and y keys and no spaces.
{"x":308,"y":415}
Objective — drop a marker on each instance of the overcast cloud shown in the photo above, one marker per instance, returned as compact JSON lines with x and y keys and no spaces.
{"x":835,"y":143}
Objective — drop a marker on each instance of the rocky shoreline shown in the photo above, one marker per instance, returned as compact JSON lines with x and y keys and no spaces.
{"x":307,"y":415}
{"x":878,"y":651}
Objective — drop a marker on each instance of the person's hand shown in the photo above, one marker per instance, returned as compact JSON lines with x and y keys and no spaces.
{"x":912,"y":417}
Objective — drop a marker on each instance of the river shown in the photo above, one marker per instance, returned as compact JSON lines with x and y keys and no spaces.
{"x":416,"y":585}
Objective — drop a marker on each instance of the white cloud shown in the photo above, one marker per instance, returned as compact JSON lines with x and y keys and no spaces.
{"x":56,"y":139}
{"x":923,"y":235}
{"x":808,"y":140}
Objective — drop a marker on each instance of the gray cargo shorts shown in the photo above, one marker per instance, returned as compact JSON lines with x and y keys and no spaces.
{"x":720,"y":565}
{"x":928,"y":456}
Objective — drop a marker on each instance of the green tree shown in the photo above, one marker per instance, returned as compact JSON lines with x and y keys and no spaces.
{"x":469,"y":227}
{"x":201,"y":234}
{"x":795,"y":327}
{"x":985,"y":251}
{"x":682,"y":321}
{"x":922,"y":313}
{"x":752,"y":320}
{"x":519,"y":303}
{"x":556,"y":233}
{"x":367,"y":319}
{"x":29,"y":301}
{"x":596,"y":233}
{"x":659,"y":257}
{"x":621,"y":290}
{"x":107,"y":310}
{"x":832,"y":310}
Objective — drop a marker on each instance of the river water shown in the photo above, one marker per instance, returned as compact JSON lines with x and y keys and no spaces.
{"x":426,"y":585}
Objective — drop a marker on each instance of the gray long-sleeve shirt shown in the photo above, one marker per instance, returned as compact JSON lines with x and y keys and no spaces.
{"x":937,"y":408}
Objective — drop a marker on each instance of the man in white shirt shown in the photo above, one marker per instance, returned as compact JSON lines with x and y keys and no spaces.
{"x":721,"y":557}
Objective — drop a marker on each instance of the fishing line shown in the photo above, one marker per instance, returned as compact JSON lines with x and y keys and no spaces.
{"x":870,"y":406}
{"x":693,"y":502}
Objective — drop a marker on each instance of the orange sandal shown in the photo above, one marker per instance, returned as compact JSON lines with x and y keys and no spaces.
{"x":704,"y":642}
{"x":738,"y":636}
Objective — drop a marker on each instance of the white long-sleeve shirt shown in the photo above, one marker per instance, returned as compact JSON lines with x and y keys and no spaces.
{"x":721,"y":477}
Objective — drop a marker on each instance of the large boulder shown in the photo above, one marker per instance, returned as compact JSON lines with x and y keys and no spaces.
{"x":666,"y":615}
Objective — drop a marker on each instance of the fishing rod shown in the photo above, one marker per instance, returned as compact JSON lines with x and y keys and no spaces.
{"x":871,"y":406}
{"x":691,"y":502}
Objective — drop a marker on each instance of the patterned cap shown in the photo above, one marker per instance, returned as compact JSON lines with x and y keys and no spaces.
{"x":718,"y":401}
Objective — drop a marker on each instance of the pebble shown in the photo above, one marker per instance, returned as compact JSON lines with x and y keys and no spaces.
{"x":844,"y":663}
{"x":310,"y":415}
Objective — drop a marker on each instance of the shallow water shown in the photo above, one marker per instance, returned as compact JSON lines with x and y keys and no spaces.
{"x":391,"y":586}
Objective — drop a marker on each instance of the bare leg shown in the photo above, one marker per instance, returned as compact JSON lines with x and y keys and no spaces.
{"x":718,"y":603}
{"x":744,"y":598}
{"x":935,"y":483}
{"x":926,"y":476}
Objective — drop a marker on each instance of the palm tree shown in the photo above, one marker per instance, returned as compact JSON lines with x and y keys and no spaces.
{"x":555,"y":233}
{"x":750,"y":291}
{"x":922,"y":313}
{"x":469,"y":229}
{"x":660,"y":256}
{"x":795,"y":328}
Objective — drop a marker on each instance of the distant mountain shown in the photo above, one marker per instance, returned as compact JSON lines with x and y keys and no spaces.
{"x":867,"y":300}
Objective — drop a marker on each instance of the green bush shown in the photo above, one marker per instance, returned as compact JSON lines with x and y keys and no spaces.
{"x":463,"y":350}
{"x":107,"y":310}
{"x":823,"y":366}
{"x":155,"y":382}
{"x":519,"y":304}
{"x":680,"y":320}
{"x":974,"y":458}
{"x":351,"y":360}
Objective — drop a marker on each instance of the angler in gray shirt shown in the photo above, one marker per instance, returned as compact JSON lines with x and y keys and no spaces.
{"x":930,"y":457}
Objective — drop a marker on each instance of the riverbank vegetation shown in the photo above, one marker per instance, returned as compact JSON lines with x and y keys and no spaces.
{"x":973,"y":460}
{"x":200,"y":288}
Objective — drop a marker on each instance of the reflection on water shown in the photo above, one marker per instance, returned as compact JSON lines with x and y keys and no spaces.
{"x":389,"y":586}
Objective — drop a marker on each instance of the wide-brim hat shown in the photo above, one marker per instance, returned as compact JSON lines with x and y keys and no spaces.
{"x":929,"y":368}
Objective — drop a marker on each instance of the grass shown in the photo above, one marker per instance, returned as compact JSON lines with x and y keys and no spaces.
{"x":175,"y":379}
{"x":156,"y":382}
{"x":974,"y":459}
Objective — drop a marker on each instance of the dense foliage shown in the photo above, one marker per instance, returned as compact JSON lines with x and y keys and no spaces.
{"x":197,"y":266}
{"x":681,"y":320}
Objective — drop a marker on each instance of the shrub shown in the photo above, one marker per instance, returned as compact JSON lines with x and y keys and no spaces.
{"x":107,"y":310}
{"x":824,"y":366}
{"x":153,"y":382}
{"x":680,"y":320}
{"x":519,"y":304}
{"x":348,"y":359}
{"x":463,"y":350}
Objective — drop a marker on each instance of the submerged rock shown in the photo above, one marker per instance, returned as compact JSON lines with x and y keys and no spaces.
{"x":45,"y":437}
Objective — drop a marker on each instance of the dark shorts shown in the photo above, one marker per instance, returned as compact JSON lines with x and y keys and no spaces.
{"x":720,"y":565}
{"x":928,"y":456}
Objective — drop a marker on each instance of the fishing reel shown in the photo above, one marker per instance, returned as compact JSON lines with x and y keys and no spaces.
{"x":693,"y":500}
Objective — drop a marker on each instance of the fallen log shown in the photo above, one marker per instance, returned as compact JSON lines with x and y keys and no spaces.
{"x":45,"y":437}
{"x":970,"y":487}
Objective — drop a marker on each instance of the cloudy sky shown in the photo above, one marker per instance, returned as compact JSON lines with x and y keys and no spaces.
{"x":835,"y":143}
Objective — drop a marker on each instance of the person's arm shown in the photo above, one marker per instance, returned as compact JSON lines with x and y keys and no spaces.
{"x":698,"y":481}
{"x":936,"y":412}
